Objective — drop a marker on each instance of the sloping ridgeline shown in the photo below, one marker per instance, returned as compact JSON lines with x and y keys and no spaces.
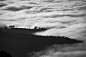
{"x":13,"y":30}
{"x":20,"y":42}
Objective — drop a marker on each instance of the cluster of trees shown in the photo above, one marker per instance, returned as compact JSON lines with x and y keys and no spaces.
{"x":59,"y":37}
{"x":35,"y":28}
{"x":4,"y":26}
{"x":4,"y":54}
{"x":39,"y":28}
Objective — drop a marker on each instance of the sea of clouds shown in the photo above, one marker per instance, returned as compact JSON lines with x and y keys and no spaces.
{"x":65,"y":50}
{"x":63,"y":17}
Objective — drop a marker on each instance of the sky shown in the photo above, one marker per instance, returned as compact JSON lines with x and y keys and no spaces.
{"x":63,"y":17}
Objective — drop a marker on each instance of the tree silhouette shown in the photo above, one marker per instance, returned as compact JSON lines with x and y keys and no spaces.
{"x":35,"y":27}
{"x":4,"y":54}
{"x":12,"y":26}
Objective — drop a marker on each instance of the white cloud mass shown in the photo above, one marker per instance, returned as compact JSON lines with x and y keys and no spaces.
{"x":63,"y":17}
{"x":73,"y":50}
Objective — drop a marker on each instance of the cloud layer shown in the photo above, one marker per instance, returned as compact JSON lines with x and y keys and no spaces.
{"x":74,"y":50}
{"x":63,"y":17}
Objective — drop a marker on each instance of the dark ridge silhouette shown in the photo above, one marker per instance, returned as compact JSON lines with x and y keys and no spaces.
{"x":20,"y":42}
{"x":21,"y":30}
{"x":4,"y":54}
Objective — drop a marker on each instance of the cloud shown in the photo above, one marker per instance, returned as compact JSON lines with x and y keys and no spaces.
{"x":63,"y":18}
{"x":76,"y":31}
{"x":73,"y":50}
